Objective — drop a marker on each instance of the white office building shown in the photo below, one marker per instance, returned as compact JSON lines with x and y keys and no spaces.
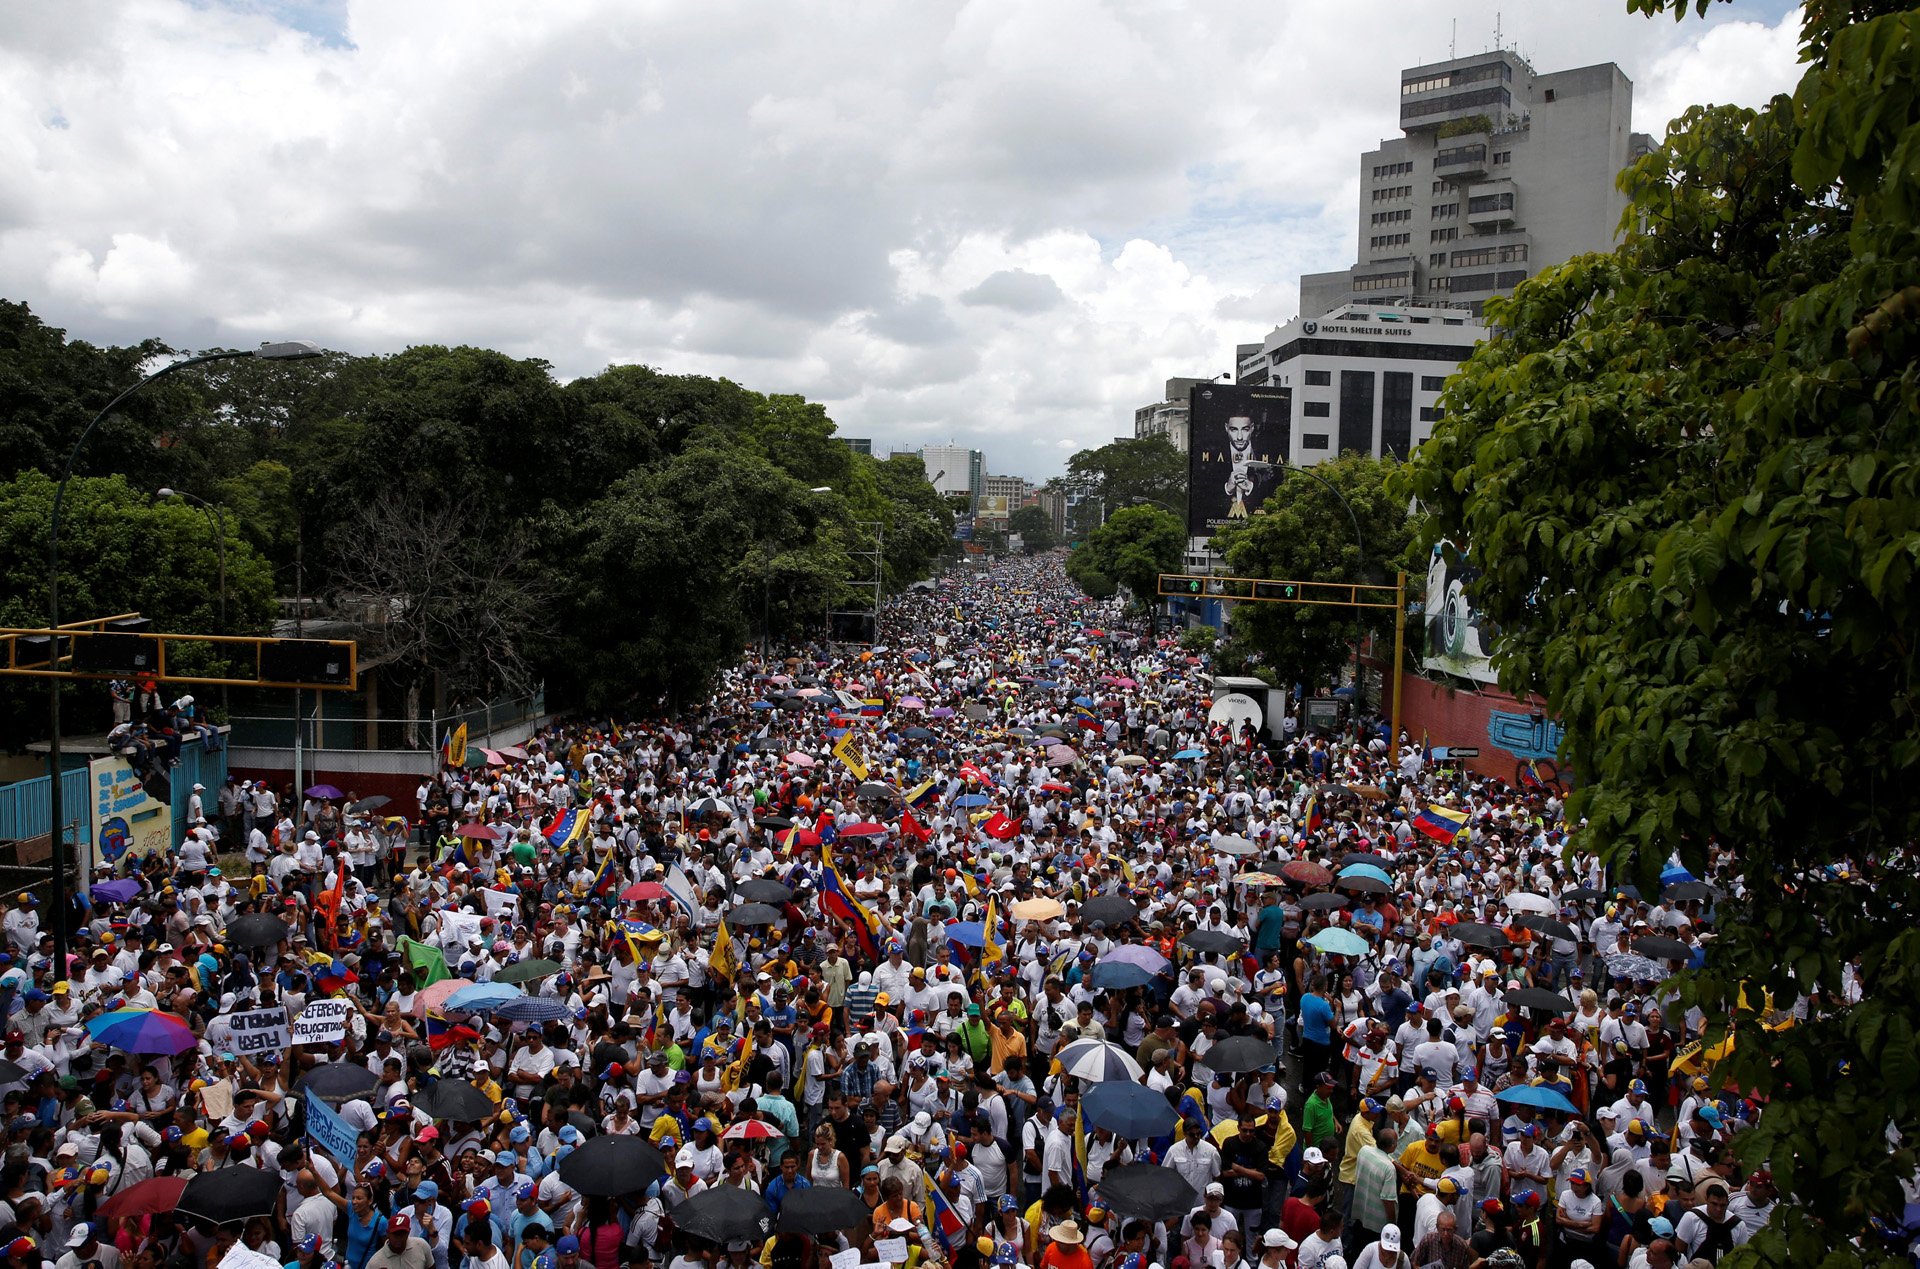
{"x":953,"y":468}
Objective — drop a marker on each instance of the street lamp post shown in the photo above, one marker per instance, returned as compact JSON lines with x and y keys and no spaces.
{"x":294,"y":350}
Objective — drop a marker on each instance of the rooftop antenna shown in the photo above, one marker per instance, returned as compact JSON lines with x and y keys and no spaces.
{"x":1496,"y":29}
{"x":1453,"y":40}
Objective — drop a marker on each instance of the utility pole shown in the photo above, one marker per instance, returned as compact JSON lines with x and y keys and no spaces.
{"x":299,"y":632}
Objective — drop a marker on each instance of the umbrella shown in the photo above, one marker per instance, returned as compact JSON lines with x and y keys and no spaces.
{"x":526,"y":971}
{"x":1128,"y":1110}
{"x":1550,"y":927}
{"x":1190,"y":753}
{"x":1133,"y":760}
{"x":1238,"y":1053}
{"x":257,"y":929}
{"x":1138,"y":954}
{"x":1365,"y":857}
{"x":325,"y":792}
{"x":911,"y":733}
{"x":749,"y":1130}
{"x":1539,"y":998}
{"x":1306,"y":873}
{"x":1110,"y":909}
{"x":610,"y":1166}
{"x":912,"y":702}
{"x":1581,"y":894}
{"x":376,"y":802}
{"x":1527,"y":901}
{"x":1681,"y":891}
{"x":455,"y":1099}
{"x":822,"y":1209}
{"x":868,"y":829}
{"x":1537,"y":1095}
{"x":142,"y":1031}
{"x":752,"y":914}
{"x":709,"y":806}
{"x":799,"y":759}
{"x":1146,"y":1191}
{"x":1339,"y":942}
{"x":773,"y":822}
{"x":1475,"y":934}
{"x":10,"y":1071}
{"x":228,"y":1200}
{"x":514,"y":751}
{"x":1235,"y":846}
{"x":531,"y":1009}
{"x":1097,"y":1060}
{"x":884,"y":792}
{"x":479,"y":997}
{"x":479,"y":832}
{"x":114,"y":891}
{"x":971,"y":800}
{"x":760,"y":890}
{"x":940,"y":711}
{"x":1665,"y":949}
{"x":790,"y":703}
{"x":155,"y":1194}
{"x":1119,"y":975}
{"x":1323,"y":902}
{"x":1368,"y":871}
{"x":1061,"y":755}
{"x":967,"y":933}
{"x":1259,"y":879}
{"x":1036,"y":909}
{"x":434,"y":995}
{"x":336,"y":1082}
{"x":1637,"y":968}
{"x":1667,"y":876}
{"x":1214,"y":941}
{"x":644,"y":890}
{"x":723,"y":1214}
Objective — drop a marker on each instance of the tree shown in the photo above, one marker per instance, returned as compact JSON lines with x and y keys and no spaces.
{"x":1687,"y":472}
{"x":1147,"y":469}
{"x":1035,"y":528}
{"x":1304,"y":533}
{"x":1132,"y":549}
{"x":919,"y":525}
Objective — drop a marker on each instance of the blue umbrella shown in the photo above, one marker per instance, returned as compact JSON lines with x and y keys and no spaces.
{"x":972,"y":799}
{"x":1336,"y":941}
{"x":1119,"y":975}
{"x":1674,"y":874}
{"x":1537,"y":1095}
{"x":1128,"y":1110}
{"x":967,"y":933}
{"x":761,"y":705}
{"x":917,"y":656}
{"x":531,"y":1009}
{"x":481,"y":997}
{"x":1083,"y":700}
{"x":1191,"y":753}
{"x":1045,"y":683}
{"x":1366,"y":870}
{"x":1058,"y":661}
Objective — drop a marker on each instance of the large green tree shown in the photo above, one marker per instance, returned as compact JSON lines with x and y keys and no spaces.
{"x":1146,"y":470}
{"x":1035,"y":528}
{"x":1688,"y":471}
{"x":1306,"y":532}
{"x":1132,"y":548}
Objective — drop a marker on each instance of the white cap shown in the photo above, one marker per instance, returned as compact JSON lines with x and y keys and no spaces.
{"x":199,"y":788}
{"x":1390,"y":1239}
{"x":1214,"y":1187}
{"x":1278,"y":1238}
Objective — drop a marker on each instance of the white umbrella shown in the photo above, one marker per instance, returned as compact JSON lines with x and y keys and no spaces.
{"x":1527,"y":901}
{"x":1098,"y":1060}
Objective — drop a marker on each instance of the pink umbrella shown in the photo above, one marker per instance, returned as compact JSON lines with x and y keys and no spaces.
{"x":780,"y":679}
{"x":1060,"y":755}
{"x":494,"y":757}
{"x":479,"y":832}
{"x":799,"y":759}
{"x":912,"y":702}
{"x":748,"y":1130}
{"x":431,"y":998}
{"x":514,"y":751}
{"x":811,"y":691}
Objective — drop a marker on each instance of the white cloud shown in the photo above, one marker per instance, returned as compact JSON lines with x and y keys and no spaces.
{"x":992,"y":220}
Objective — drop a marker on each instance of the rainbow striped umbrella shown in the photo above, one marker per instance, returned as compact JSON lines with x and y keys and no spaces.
{"x":142,"y":1031}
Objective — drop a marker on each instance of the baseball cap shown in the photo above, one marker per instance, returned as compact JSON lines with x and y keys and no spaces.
{"x":1313,"y":1155}
{"x":1214,"y":1187}
{"x":568,"y":1245}
{"x":1390,"y":1238}
{"x":506,"y":1158}
{"x":400,"y":1223}
{"x":426,"y":1191}
{"x":1278,"y":1238}
{"x":1661,"y":1227}
{"x":81,"y":1232}
{"x":479,"y":1207}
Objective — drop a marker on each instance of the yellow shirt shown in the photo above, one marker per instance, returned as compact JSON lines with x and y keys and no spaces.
{"x":1423,"y":1161}
{"x":1359,"y":1137}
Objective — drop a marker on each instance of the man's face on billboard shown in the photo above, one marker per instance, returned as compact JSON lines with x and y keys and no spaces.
{"x":1240,"y":431}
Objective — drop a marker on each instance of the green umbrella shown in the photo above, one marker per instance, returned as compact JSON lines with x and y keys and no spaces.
{"x":526,"y":971}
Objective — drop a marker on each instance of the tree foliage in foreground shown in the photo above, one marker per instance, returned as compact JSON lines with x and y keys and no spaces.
{"x":1131,"y":549}
{"x":1689,"y":471}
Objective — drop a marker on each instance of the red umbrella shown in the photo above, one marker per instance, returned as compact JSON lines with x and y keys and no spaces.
{"x":1306,"y":872}
{"x":748,"y":1130}
{"x":863,"y":830}
{"x":801,"y":837}
{"x":479,"y":832}
{"x":156,"y":1194}
{"x":644,"y":890}
{"x":1053,"y":786}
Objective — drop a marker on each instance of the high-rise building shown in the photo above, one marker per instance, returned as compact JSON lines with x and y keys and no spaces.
{"x":858,"y":444}
{"x":953,"y":468}
{"x":1000,"y":497}
{"x":1168,"y":416}
{"x":1055,"y":505}
{"x":1500,"y":171}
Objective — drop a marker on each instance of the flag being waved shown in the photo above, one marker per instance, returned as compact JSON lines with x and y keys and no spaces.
{"x":1441,"y":823}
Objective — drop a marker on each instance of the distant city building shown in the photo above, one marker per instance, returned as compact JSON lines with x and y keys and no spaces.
{"x":1500,"y":172}
{"x":1055,"y":505}
{"x":953,"y":468}
{"x":1168,"y":416}
{"x":858,"y":444}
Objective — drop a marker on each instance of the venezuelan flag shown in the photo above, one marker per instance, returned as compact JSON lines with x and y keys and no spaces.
{"x":566,"y":828}
{"x":946,"y":1222}
{"x":1313,"y":818}
{"x":837,"y":898}
{"x":922,"y":795}
{"x":1443,"y":824}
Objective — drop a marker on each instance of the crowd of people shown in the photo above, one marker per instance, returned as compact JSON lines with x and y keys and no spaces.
{"x":992,"y":927}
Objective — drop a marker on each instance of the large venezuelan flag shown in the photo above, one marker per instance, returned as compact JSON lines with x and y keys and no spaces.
{"x":1441,"y":823}
{"x":837,"y":898}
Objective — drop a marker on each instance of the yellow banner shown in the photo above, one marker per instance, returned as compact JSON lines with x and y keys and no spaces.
{"x":849,"y":757}
{"x":457,"y":747}
{"x":723,"y":963}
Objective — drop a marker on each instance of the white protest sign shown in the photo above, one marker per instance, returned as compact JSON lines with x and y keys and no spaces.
{"x":322,"y":1022}
{"x":500,"y":902}
{"x":849,"y":1259}
{"x":258,"y":1030}
{"x":242,"y":1257}
{"x":892,"y":1251}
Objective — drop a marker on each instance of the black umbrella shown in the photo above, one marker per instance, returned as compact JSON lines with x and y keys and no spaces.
{"x":1324,"y":901}
{"x":1238,"y":1053}
{"x":911,"y":733}
{"x":257,"y":929}
{"x":1550,"y":927}
{"x":768,"y":745}
{"x":368,"y":804}
{"x":1663,"y":949}
{"x":1366,"y":857}
{"x":455,"y":1099}
{"x":723,"y":1214}
{"x":760,"y":890}
{"x":773,"y":822}
{"x":613,"y":1164}
{"x":1138,"y":1191}
{"x":1372,"y":885}
{"x":229,"y":1196}
{"x":794,"y":703}
{"x":1213,"y":941}
{"x":878,"y":792}
{"x":336,"y":1082}
{"x":1582,"y":894}
{"x":1538,"y":998}
{"x":1109,"y":908}
{"x":821,"y":1210}
{"x":1475,"y":934}
{"x":752,"y":914}
{"x":1681,"y":891}
{"x":9,"y":1071}
{"x":526,"y":971}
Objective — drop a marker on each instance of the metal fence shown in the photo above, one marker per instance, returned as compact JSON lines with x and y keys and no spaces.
{"x":327,"y":723}
{"x":24,"y":803}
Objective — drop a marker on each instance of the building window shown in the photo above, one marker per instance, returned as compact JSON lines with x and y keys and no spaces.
{"x":1470,"y":282}
{"x":1391,"y":169}
{"x":1490,"y":70}
{"x":1443,"y":235}
{"x":1499,"y":97}
{"x":1512,"y":252}
{"x":1550,"y":94}
{"x":1490,"y":203}
{"x":1473,"y":256}
{"x":1437,"y":258}
{"x":1383,"y":281}
{"x":1390,"y":193}
{"x":1390,"y":240}
{"x":1460,"y":154}
{"x":1311,"y":440}
{"x":1503,"y":156}
{"x":1432,"y":414}
{"x":1511,"y":278}
{"x":1393,"y":217}
{"x":1441,"y":211}
{"x":1315,"y":409}
{"x":1432,"y":383}
{"x":1412,"y":86}
{"x":1320,"y":379}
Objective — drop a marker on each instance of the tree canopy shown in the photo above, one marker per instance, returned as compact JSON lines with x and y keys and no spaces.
{"x":1146,"y":469}
{"x":1687,"y":471}
{"x":1132,"y":549}
{"x":1035,"y":528}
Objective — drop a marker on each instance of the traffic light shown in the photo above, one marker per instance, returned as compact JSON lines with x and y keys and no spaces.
{"x":1181,"y":584}
{"x":1276,"y":590}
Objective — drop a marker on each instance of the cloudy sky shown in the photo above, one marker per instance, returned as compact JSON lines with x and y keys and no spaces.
{"x":997,"y":221}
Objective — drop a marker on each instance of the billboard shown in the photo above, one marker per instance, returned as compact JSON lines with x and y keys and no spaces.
{"x":1238,"y":440}
{"x":125,"y":819}
{"x":993,"y":507}
{"x":1458,"y":643}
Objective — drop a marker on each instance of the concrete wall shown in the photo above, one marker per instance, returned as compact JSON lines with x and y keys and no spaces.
{"x":1507,"y":731}
{"x":1579,"y":144}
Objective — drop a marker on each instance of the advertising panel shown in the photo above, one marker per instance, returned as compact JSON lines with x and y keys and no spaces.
{"x":125,"y":818}
{"x":1238,"y":441}
{"x":1457,"y":642}
{"x":993,"y":507}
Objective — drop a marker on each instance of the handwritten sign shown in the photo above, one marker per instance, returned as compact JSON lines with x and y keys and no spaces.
{"x":243,"y":1257}
{"x":330,"y":1132}
{"x":258,"y":1030}
{"x":322,"y":1022}
{"x":849,"y":1259}
{"x":892,"y":1251}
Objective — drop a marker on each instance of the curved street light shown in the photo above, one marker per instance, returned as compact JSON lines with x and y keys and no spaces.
{"x":289,"y":350}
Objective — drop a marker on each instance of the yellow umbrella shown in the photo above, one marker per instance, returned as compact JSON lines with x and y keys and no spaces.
{"x":1037,"y":909}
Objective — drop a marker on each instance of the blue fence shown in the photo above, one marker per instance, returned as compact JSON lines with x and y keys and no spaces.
{"x":24,"y":810}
